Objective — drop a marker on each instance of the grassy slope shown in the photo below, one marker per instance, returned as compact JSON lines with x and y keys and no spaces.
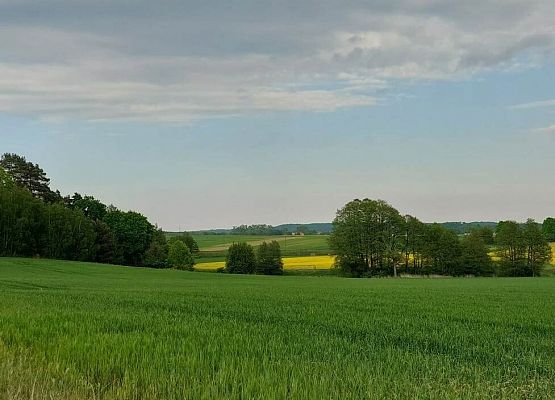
{"x":214,"y":247}
{"x":91,"y":331}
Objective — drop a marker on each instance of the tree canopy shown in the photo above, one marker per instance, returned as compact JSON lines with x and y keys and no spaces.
{"x":366,"y":235}
{"x":35,"y":221}
{"x":28,"y":175}
{"x":370,"y":237}
{"x":523,"y":250}
{"x":269,"y":260}
{"x":179,"y":256}
{"x":133,"y":234}
{"x":548,"y":229}
{"x":188,"y":240}
{"x":240,"y":259}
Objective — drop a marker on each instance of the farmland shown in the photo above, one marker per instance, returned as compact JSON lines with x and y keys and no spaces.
{"x":78,"y":330}
{"x":289,"y":263}
{"x":214,"y":247}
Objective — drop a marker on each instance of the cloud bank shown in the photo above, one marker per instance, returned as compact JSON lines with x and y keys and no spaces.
{"x":179,"y":61}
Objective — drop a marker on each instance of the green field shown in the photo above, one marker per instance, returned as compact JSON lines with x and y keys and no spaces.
{"x":72,"y":330}
{"x":214,"y":247}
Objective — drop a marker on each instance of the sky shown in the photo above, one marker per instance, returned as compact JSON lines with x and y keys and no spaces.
{"x":210,"y":114}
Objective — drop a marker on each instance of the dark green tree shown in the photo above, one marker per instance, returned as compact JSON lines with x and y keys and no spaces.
{"x":179,"y":256}
{"x":88,"y":205}
{"x":441,"y":251}
{"x":368,"y":237}
{"x":548,"y":229}
{"x":475,"y":259}
{"x":157,"y":254}
{"x":240,"y":259}
{"x":105,"y":243}
{"x":486,"y":233}
{"x":538,"y":251}
{"x":269,"y":260}
{"x":188,"y":240}
{"x":413,"y":244}
{"x":23,"y":223}
{"x":70,"y":235}
{"x":133,"y":234}
{"x":511,"y":249}
{"x":6,"y":180}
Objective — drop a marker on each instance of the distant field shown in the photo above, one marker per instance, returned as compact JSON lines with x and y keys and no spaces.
{"x":495,"y":257}
{"x":215,"y":246}
{"x":289,"y":263}
{"x":85,"y":331}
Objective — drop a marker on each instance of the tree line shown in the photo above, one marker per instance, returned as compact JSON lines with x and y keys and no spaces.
{"x":36,"y":221}
{"x":371,"y":238}
{"x":258,"y":230}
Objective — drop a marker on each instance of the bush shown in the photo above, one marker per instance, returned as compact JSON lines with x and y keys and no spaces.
{"x":179,"y":256}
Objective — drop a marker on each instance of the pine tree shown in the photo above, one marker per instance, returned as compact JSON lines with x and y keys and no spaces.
{"x":29,"y":176}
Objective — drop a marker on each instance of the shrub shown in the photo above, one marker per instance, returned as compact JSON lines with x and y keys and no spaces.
{"x":179,"y":256}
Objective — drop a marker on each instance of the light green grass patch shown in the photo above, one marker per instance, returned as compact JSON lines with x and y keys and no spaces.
{"x":127,"y":333}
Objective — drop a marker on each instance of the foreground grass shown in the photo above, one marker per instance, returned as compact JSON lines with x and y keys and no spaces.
{"x":71,"y":330}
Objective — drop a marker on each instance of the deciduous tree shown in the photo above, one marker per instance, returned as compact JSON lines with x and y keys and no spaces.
{"x":133,"y":234}
{"x":240,"y":259}
{"x":269,"y":260}
{"x":548,"y":229}
{"x":475,"y":259}
{"x":538,"y":251}
{"x":367,"y":237}
{"x":157,"y":254}
{"x":188,"y":240}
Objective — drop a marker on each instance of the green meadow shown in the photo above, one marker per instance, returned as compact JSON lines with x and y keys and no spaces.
{"x":73,"y":330}
{"x":214,"y":247}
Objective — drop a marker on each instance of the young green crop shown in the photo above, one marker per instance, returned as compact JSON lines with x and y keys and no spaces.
{"x":217,"y":245}
{"x":74,"y":330}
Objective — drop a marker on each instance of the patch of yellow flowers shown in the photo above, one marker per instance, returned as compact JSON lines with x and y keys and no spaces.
{"x":289,"y":263}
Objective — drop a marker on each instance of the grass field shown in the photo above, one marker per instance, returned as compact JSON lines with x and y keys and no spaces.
{"x":214,"y":247}
{"x":289,"y":263}
{"x":72,"y":330}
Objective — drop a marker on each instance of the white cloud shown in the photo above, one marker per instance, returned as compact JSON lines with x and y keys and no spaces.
{"x":548,"y":130}
{"x":183,"y":61}
{"x":535,"y":104}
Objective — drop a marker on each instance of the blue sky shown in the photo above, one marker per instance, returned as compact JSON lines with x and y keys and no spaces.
{"x":215,"y":116}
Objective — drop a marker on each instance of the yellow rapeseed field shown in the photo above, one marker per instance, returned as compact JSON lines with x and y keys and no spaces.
{"x":289,"y":263}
